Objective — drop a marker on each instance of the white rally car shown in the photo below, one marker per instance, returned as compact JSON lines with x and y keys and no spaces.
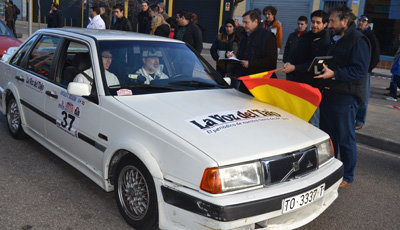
{"x":150,"y":119}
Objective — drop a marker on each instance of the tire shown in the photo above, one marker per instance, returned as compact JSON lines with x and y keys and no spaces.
{"x":13,"y":117}
{"x":135,"y":193}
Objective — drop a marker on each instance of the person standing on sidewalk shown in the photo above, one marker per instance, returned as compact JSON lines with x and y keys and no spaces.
{"x":54,"y":18}
{"x":121,"y":23}
{"x":143,"y":17}
{"x":272,"y":24}
{"x":187,"y":31}
{"x":96,"y":22}
{"x":395,"y":82}
{"x":312,"y":44}
{"x":9,"y":16}
{"x":343,"y":87}
{"x":364,"y":25}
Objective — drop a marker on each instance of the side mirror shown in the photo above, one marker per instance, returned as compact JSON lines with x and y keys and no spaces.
{"x":7,"y":56}
{"x":79,"y":89}
{"x":228,"y":80}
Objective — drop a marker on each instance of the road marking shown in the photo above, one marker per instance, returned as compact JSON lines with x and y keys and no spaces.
{"x":379,"y":151}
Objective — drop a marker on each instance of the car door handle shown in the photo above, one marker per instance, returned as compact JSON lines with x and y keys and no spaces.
{"x":51,"y":94}
{"x":19,"y":78}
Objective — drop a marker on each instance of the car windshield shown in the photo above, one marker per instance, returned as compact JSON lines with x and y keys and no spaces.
{"x":144,"y":67}
{"x":4,"y":31}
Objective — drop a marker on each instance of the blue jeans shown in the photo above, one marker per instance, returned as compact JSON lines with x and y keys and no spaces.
{"x":362,"y":110}
{"x":394,"y":84}
{"x":338,"y":113}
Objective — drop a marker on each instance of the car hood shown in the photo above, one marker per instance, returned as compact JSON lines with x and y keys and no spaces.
{"x":225,"y":124}
{"x":7,"y":42}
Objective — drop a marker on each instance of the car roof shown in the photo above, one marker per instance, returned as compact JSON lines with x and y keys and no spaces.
{"x":108,"y":34}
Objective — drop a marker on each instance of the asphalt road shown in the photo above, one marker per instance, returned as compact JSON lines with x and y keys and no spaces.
{"x":40,"y":191}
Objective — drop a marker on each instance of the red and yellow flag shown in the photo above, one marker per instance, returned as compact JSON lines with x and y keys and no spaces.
{"x":298,"y":99}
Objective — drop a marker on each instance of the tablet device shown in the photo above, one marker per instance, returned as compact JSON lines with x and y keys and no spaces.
{"x":316,"y":65}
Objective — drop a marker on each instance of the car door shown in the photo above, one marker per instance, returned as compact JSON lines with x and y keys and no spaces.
{"x":32,"y":72}
{"x":77,"y":118}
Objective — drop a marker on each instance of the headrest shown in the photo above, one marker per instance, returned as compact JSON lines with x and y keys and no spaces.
{"x":82,"y":61}
{"x":151,"y":53}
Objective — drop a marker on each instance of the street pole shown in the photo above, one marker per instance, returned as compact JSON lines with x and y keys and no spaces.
{"x":30,"y":19}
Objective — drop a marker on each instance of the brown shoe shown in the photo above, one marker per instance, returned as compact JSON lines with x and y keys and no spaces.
{"x":344,"y":184}
{"x":358,"y":127}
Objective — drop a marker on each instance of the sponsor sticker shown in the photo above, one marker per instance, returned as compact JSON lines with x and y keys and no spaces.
{"x":214,"y":123}
{"x":124,"y":92}
{"x":34,"y":84}
{"x":69,"y":111}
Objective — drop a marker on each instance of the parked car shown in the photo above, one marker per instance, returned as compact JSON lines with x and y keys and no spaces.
{"x":7,"y":39}
{"x":149,"y":118}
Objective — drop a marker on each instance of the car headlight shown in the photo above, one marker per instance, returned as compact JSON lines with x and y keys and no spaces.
{"x":325,"y":152}
{"x":231,"y":178}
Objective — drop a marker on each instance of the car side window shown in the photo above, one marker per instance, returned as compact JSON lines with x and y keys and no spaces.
{"x":76,"y":59}
{"x":41,"y":58}
{"x":17,"y":59}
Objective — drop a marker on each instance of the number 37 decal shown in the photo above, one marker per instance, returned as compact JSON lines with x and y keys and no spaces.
{"x":68,"y":120}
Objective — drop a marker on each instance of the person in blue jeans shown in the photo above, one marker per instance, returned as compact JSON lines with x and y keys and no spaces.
{"x":395,"y":82}
{"x":364,"y":26}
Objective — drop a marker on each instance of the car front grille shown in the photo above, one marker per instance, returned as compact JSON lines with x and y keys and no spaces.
{"x":289,"y":166}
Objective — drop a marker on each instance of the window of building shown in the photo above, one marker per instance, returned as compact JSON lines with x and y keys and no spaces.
{"x":333,"y":3}
{"x":385,"y":16}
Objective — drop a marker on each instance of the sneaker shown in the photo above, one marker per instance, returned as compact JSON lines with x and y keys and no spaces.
{"x":391,"y":99}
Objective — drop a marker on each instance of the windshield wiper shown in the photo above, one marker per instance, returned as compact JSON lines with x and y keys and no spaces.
{"x":145,"y":86}
{"x":195,"y":84}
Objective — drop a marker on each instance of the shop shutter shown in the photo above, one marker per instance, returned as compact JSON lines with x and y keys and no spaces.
{"x":207,"y":12}
{"x":288,"y":13}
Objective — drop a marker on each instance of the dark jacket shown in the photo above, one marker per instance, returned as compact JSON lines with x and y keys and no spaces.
{"x":9,"y":14}
{"x":291,"y":44}
{"x":163,"y":30}
{"x":54,"y":20}
{"x":122,"y":24}
{"x":106,"y":20}
{"x":351,"y":56}
{"x":259,"y":48}
{"x":309,"y":46}
{"x":221,"y":42}
{"x":16,"y":11}
{"x":375,"y":48}
{"x":192,"y":36}
{"x":143,"y":18}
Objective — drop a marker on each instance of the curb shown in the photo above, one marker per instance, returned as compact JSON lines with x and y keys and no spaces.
{"x":379,"y":143}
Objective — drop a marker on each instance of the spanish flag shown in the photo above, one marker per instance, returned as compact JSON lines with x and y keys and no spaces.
{"x":298,"y":99}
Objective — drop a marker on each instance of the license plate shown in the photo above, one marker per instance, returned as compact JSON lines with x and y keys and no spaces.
{"x":298,"y":201}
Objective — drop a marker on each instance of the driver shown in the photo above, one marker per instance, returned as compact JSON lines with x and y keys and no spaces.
{"x":150,"y":69}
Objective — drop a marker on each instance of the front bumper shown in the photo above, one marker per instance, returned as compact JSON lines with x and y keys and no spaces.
{"x":227,"y":216}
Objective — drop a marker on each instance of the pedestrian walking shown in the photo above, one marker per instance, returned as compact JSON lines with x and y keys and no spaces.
{"x":364,"y":25}
{"x":159,"y":26}
{"x":105,"y":17}
{"x":291,"y":43}
{"x":95,"y":20}
{"x":272,"y":24}
{"x":257,"y":50}
{"x":143,"y":17}
{"x":187,"y":31}
{"x":312,"y":44}
{"x":223,"y":43}
{"x":395,"y":82}
{"x":121,"y":22}
{"x":54,"y":18}
{"x":343,"y":87}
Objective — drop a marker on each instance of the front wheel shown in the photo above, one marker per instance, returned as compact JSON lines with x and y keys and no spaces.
{"x":135,"y":193}
{"x":14,"y":120}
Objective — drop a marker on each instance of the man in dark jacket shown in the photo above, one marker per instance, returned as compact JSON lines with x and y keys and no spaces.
{"x":343,"y":87}
{"x":364,"y":25}
{"x":294,"y":37}
{"x":54,"y":18}
{"x":104,"y":16}
{"x":143,"y":17}
{"x":312,"y":44}
{"x":9,"y":17}
{"x":188,"y":31}
{"x":121,"y":23}
{"x":257,"y":49}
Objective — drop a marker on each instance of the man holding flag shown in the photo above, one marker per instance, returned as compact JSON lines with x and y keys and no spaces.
{"x":257,"y":49}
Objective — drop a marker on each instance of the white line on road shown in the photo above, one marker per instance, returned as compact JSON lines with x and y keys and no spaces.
{"x":379,"y":151}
